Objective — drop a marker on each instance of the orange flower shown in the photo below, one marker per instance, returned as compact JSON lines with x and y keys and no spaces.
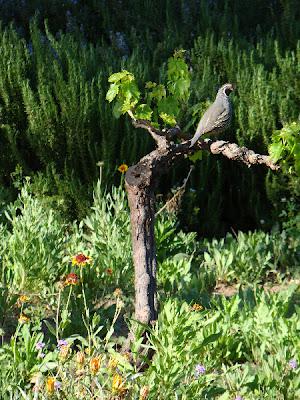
{"x":81,"y":259}
{"x":50,"y":384}
{"x":109,"y":271}
{"x":197,"y":307}
{"x":23,"y":319}
{"x":123,"y":168}
{"x":118,"y":385}
{"x":71,"y":279}
{"x":95,"y":365}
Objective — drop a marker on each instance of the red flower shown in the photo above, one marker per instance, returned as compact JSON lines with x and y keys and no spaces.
{"x":81,"y":259}
{"x":71,"y":279}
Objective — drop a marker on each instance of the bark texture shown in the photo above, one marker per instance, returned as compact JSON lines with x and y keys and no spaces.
{"x":141,"y":180}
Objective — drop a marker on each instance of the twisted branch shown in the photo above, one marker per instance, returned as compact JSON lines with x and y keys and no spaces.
{"x":169,"y":151}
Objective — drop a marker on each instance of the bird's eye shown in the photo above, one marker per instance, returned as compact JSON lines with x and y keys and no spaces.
{"x":228,"y":91}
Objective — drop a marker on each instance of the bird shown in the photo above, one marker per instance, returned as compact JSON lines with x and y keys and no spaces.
{"x":217,"y":117}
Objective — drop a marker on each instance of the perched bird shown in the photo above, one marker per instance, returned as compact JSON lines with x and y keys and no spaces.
{"x":217,"y":117}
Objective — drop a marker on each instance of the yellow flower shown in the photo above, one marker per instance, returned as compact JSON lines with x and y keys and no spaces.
{"x":80,"y":358}
{"x":81,"y":260}
{"x":23,"y":319}
{"x":95,"y":365}
{"x":197,"y":307}
{"x":127,"y":356}
{"x":118,"y":385}
{"x":23,"y":298}
{"x":118,"y":292}
{"x":144,"y":392}
{"x":123,"y":168}
{"x":112,"y":363}
{"x":50,"y":384}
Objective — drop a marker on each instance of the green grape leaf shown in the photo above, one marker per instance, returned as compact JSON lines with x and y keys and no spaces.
{"x":112,"y":92}
{"x":158,"y":92}
{"x":117,"y":109}
{"x":128,"y":104}
{"x":143,"y":111}
{"x":118,"y":76}
{"x":180,"y":88}
{"x":168,"y":105}
{"x":130,"y":91}
{"x":168,"y":119}
{"x":275,"y":151}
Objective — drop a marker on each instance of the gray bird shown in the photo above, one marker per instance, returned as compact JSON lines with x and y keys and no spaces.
{"x":217,"y":117}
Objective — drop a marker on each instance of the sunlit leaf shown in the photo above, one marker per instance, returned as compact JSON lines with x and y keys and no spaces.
{"x":120,"y":75}
{"x":112,"y":92}
{"x":168,"y":119}
{"x":143,"y":111}
{"x":168,"y":105}
{"x":117,"y":109}
{"x":275,"y":151}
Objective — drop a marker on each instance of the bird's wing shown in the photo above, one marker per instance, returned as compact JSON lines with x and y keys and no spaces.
{"x":210,"y":118}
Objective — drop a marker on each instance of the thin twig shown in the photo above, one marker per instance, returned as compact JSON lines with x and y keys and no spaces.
{"x":178,"y":192}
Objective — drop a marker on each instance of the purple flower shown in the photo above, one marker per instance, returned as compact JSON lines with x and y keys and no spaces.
{"x":40,"y":345}
{"x":62,"y":342}
{"x":41,"y":355}
{"x":57,"y":385}
{"x":238,"y":398}
{"x":293,"y":364}
{"x":199,"y":370}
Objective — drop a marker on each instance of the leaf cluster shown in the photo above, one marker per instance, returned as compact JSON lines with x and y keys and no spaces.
{"x":160,"y":103}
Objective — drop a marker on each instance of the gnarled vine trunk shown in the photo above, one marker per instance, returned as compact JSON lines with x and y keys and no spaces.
{"x":141,"y":180}
{"x":142,"y":214}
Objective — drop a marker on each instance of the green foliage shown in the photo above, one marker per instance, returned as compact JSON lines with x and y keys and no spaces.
{"x":251,"y":257}
{"x":34,"y":242}
{"x":107,"y":233}
{"x":228,"y":337}
{"x":53,"y":113}
{"x":161,"y":102}
{"x":286,"y":147}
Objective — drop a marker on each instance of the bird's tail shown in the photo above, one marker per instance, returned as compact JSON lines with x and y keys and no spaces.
{"x":196,"y":137}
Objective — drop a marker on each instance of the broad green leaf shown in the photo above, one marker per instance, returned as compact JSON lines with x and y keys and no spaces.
{"x":275,"y":151}
{"x":168,"y":119}
{"x":180,"y":88}
{"x":143,"y":111}
{"x":117,"y":109}
{"x":120,"y":75}
{"x":128,"y":104}
{"x":177,"y":69}
{"x":112,"y":92}
{"x":168,"y":105}
{"x":158,"y":92}
{"x":129,"y":89}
